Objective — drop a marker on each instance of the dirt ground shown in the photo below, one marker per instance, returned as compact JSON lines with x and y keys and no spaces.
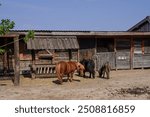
{"x":80,"y":88}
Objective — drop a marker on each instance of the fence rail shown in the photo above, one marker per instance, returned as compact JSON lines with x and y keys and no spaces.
{"x":43,"y":70}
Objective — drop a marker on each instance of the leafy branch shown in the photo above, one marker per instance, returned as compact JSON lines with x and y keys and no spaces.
{"x":2,"y":51}
{"x":29,"y":35}
{"x":5,"y":26}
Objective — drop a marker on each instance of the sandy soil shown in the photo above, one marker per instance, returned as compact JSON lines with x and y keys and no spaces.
{"x":80,"y":88}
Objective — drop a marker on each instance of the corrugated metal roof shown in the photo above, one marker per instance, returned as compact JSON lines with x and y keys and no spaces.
{"x":22,"y":31}
{"x":90,"y":33}
{"x":53,"y":42}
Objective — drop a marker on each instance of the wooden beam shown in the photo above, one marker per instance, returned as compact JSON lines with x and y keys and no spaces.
{"x":17,"y":61}
{"x":142,"y":46}
{"x":115,"y":50}
{"x":95,"y":52}
{"x":95,"y":45}
{"x":5,"y":61}
{"x":33,"y":56}
{"x":131,"y":53}
{"x":78,"y":55}
{"x":33,"y":64}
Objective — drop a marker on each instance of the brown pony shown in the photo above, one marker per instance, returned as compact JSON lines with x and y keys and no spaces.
{"x":68,"y":68}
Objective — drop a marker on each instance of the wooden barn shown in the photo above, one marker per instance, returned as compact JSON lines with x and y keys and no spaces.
{"x":144,"y":43}
{"x":123,"y":49}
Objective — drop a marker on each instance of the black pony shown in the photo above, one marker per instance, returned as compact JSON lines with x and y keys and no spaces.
{"x":89,"y":67}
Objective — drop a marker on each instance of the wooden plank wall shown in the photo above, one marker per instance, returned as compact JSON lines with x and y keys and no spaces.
{"x":65,"y":56}
{"x":75,"y":56}
{"x":119,"y":60}
{"x":146,"y":56}
{"x":104,"y":57}
{"x":122,"y":60}
{"x":146,"y":60}
{"x":141,"y":58}
{"x":1,"y":65}
{"x":137,"y":61}
{"x":144,"y":27}
{"x":86,"y":53}
{"x":137,"y":54}
{"x":62,"y":56}
{"x":10,"y":64}
{"x":25,"y":66}
{"x":123,"y":53}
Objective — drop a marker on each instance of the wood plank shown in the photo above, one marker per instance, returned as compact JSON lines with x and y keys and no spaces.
{"x":131,"y":53}
{"x":123,"y":60}
{"x":17,"y":62}
{"x":44,"y":70}
{"x":103,"y":57}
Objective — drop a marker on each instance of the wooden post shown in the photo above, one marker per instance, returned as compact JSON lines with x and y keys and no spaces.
{"x":33,"y":64}
{"x":33,"y":56}
{"x":131,"y":54}
{"x":142,"y":53}
{"x":17,"y":61}
{"x":95,"y":54}
{"x":78,"y":55}
{"x":95,"y":46}
{"x":5,"y":59}
{"x":115,"y":50}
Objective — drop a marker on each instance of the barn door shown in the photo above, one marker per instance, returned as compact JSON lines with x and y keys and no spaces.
{"x":105,"y":52}
{"x":123,"y":53}
{"x":146,"y":53}
{"x":137,"y":54}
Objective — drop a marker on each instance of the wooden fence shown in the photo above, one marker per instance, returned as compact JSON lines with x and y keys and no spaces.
{"x":122,"y":60}
{"x":103,"y":57}
{"x":141,"y":61}
{"x":43,"y":71}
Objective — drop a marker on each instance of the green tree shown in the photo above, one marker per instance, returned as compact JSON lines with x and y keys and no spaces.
{"x":5,"y":26}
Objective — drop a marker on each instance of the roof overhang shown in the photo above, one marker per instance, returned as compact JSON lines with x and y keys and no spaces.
{"x":53,"y":42}
{"x":10,"y":35}
{"x":83,"y":33}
